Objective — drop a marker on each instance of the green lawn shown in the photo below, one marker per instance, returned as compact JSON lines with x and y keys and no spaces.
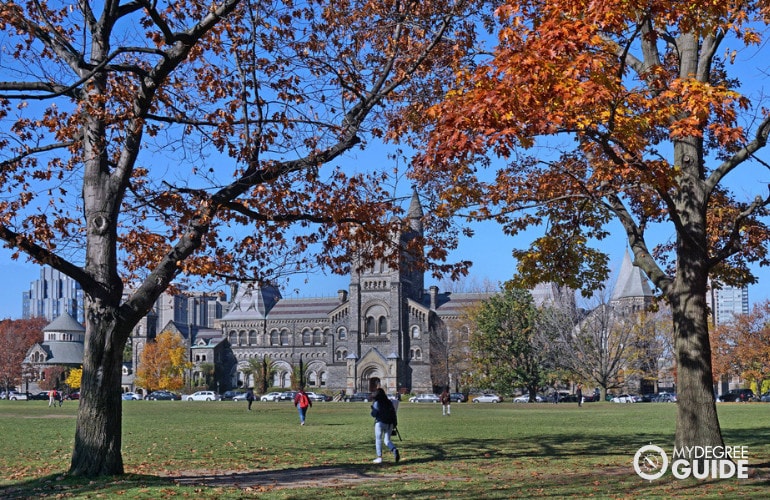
{"x":219,"y":450}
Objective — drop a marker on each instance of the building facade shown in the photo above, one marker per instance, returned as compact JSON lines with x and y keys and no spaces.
{"x":52,"y":295}
{"x":386,"y":325}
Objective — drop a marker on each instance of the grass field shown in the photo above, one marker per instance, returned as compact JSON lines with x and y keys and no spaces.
{"x":176,"y":449}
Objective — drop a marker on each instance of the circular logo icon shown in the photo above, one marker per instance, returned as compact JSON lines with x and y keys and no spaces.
{"x":650,"y":462}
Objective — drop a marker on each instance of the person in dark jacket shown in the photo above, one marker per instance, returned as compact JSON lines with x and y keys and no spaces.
{"x":250,"y":397}
{"x":385,"y":420}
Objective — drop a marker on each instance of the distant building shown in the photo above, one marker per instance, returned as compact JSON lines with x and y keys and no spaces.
{"x":62,"y":346}
{"x":53,"y":295}
{"x":632,"y":292}
{"x":727,"y":302}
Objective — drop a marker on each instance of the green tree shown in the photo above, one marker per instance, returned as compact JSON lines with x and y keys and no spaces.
{"x":259,"y":372}
{"x":507,"y":349}
{"x":591,"y":112}
{"x":145,"y":143}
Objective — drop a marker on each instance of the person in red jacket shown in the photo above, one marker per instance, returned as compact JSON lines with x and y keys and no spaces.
{"x":302,"y":403}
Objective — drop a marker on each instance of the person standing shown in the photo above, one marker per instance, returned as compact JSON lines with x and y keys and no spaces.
{"x":385,"y":420}
{"x":52,"y":398}
{"x":446,"y":402}
{"x":579,"y":393}
{"x":250,"y":397}
{"x":302,"y":403}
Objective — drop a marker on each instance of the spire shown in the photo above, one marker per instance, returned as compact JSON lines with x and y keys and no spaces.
{"x":415,"y":213}
{"x":631,"y":281}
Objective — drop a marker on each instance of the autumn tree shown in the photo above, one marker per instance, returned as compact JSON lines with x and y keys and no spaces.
{"x":53,"y":378}
{"x":145,"y":143}
{"x":743,"y":345}
{"x":74,"y":377}
{"x":16,"y":338}
{"x":590,"y":112}
{"x":163,"y":363}
{"x":508,"y":350}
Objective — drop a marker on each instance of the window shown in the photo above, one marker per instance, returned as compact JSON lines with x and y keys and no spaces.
{"x":342,"y":334}
{"x":307,"y":337}
{"x":382,"y":325}
{"x":284,"y":340}
{"x":370,"y":325}
{"x":275,"y":338}
{"x":252,"y":337}
{"x":318,"y":338}
{"x":415,"y":332}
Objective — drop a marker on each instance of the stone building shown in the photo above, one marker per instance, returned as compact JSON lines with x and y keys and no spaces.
{"x":62,"y":346}
{"x":385,"y":325}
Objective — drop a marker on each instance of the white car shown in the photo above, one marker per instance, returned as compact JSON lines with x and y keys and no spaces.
{"x":624,"y":398}
{"x":270,"y":396}
{"x":524,"y":398}
{"x":129,"y":396}
{"x":203,"y":396}
{"x":487,"y":398}
{"x":240,"y":397}
{"x":17,"y":396}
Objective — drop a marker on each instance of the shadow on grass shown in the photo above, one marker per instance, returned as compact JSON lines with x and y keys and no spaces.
{"x":59,"y":485}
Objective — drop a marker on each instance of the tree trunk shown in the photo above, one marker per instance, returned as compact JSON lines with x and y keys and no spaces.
{"x":697,"y":423}
{"x":98,"y":435}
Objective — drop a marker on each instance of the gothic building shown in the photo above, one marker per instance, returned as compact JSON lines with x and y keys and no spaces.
{"x":385,"y":325}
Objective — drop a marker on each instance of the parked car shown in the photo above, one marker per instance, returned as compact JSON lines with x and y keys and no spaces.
{"x":737,"y":395}
{"x":163,"y":396}
{"x":229,"y":395}
{"x":765,"y":398}
{"x":40,"y":396}
{"x":129,"y":396}
{"x":458,"y":397}
{"x":664,"y":397}
{"x":312,"y":396}
{"x":270,"y":396}
{"x":74,"y":395}
{"x":487,"y":398}
{"x":241,"y":396}
{"x":203,"y":396}
{"x":18,"y":396}
{"x":424,"y":398}
{"x":624,"y":398}
{"x":287,"y":396}
{"x":524,"y":398}
{"x":358,"y":396}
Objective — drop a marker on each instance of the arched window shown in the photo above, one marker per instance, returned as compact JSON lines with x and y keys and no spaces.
{"x":382,"y":325}
{"x":275,"y":338}
{"x":370,"y":326}
{"x":232,"y":337}
{"x":307,"y":337}
{"x":417,"y":353}
{"x":322,"y":378}
{"x":415,"y":332}
{"x":284,"y":339}
{"x":252,"y":337}
{"x":312,"y":379}
{"x":342,"y":334}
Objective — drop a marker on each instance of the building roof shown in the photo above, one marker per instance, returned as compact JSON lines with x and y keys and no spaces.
{"x":64,"y":353}
{"x":455,"y":304}
{"x":64,"y":323}
{"x":309,"y":308}
{"x":631,"y":281}
{"x":252,"y":301}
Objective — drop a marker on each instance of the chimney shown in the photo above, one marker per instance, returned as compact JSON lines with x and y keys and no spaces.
{"x":433,"y":297}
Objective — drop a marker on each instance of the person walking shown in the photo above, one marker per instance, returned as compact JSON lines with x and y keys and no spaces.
{"x":580,"y":394}
{"x":52,"y":398}
{"x":302,"y":403}
{"x":250,"y":397}
{"x":385,"y":420}
{"x":446,"y":402}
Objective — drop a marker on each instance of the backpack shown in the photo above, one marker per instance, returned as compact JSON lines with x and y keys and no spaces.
{"x":304,"y":402}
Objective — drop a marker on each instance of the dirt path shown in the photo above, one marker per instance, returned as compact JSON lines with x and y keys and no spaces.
{"x":305,"y":477}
